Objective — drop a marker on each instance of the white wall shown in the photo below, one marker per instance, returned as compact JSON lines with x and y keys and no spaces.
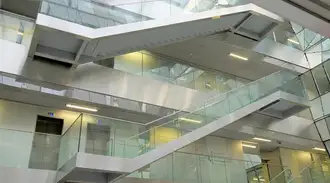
{"x":19,"y":175}
{"x":16,"y":144}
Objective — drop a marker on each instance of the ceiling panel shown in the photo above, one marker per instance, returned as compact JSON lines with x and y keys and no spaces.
{"x":213,"y":53}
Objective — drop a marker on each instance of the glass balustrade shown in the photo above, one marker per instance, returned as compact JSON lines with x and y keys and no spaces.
{"x":187,"y":167}
{"x":105,"y":14}
{"x":295,"y":36}
{"x":16,"y":29}
{"x":22,"y":149}
{"x":81,"y":94}
{"x":177,"y":124}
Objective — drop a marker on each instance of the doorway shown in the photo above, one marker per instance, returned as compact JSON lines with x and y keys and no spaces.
{"x":46,"y":143}
{"x":98,"y":139}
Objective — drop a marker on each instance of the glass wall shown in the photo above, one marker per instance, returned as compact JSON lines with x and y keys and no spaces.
{"x":15,"y":29}
{"x":317,"y":84}
{"x":169,"y":70}
{"x":295,"y":36}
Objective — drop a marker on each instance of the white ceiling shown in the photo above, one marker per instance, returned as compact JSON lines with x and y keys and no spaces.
{"x":213,"y":53}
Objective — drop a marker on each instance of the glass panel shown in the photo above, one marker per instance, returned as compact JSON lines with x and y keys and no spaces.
{"x":321,"y":79}
{"x":282,"y":177}
{"x":316,"y":108}
{"x":181,"y":123}
{"x":205,"y":81}
{"x":123,"y":13}
{"x":15,"y":29}
{"x":70,"y":142}
{"x":185,"y":168}
{"x":21,"y":149}
{"x":157,"y":68}
{"x":131,"y":63}
{"x":295,"y":87}
{"x":310,"y":86}
{"x":325,"y":50}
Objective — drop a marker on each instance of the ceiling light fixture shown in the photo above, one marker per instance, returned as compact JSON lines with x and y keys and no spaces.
{"x":250,"y":146}
{"x":81,"y":107}
{"x":260,"y":179}
{"x":293,"y":41}
{"x":20,"y":33}
{"x":318,"y":149}
{"x":261,"y":139}
{"x":190,"y":120}
{"x":238,"y":56}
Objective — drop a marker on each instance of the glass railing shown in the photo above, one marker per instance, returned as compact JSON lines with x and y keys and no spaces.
{"x":211,"y":110}
{"x":105,"y":14}
{"x":313,"y":173}
{"x":173,"y":126}
{"x":81,"y":94}
{"x":15,"y":29}
{"x":282,"y":177}
{"x":295,"y":36}
{"x":70,"y":142}
{"x":170,"y":70}
{"x":22,"y":149}
{"x":187,"y":167}
{"x":285,"y":37}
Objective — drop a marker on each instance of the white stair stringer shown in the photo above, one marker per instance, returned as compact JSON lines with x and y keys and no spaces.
{"x":114,"y":168}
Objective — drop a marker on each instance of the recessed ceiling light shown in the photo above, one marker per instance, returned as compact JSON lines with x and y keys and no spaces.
{"x":190,"y":120}
{"x":261,"y":139}
{"x":293,"y":41}
{"x":81,"y":107}
{"x":250,"y":146}
{"x":318,"y":149}
{"x":238,"y":56}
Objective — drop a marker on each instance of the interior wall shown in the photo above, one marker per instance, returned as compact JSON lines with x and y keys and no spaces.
{"x":116,"y":142}
{"x":16,"y":144}
{"x":274,"y":161}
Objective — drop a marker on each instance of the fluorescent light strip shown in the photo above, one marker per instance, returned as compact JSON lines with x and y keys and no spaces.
{"x":82,"y":108}
{"x":293,"y":41}
{"x":256,"y":179}
{"x":318,"y":149}
{"x":250,"y":146}
{"x":237,"y":56}
{"x":261,"y":139}
{"x":190,"y":120}
{"x":20,"y":33}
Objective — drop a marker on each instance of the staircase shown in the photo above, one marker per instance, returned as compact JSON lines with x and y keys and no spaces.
{"x":280,"y":94}
{"x":87,"y":37}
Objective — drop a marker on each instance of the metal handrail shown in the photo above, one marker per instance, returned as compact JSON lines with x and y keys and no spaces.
{"x":305,"y":168}
{"x":204,"y":102}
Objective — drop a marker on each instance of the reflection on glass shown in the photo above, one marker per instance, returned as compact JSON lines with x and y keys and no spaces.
{"x":188,"y":167}
{"x":15,"y":29}
{"x":321,"y":79}
{"x":103,"y":14}
{"x":131,"y":63}
{"x":325,"y":48}
{"x":310,"y":86}
{"x":168,"y":70}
